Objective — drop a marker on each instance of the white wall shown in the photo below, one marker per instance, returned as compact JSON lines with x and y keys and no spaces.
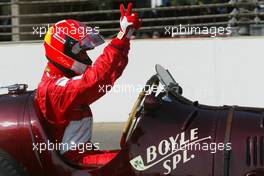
{"x":214,"y":71}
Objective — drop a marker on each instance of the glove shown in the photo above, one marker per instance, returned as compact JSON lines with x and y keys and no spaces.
{"x":129,"y":22}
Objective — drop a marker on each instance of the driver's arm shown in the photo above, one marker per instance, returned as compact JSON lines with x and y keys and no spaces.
{"x":88,"y":87}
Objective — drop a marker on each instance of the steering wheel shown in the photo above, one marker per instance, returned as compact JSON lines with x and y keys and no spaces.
{"x":154,"y":80}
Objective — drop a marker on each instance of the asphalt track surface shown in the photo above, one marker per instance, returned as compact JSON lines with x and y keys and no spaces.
{"x":107,"y":134}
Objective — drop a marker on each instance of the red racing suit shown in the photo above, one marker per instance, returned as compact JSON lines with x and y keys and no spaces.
{"x":64,"y":102}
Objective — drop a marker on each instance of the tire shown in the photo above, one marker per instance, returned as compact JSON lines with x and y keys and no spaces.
{"x":9,"y":166}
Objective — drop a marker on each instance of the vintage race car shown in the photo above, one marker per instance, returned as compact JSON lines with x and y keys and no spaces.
{"x":166,"y":134}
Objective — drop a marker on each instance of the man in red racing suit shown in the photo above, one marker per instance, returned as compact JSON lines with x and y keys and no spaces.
{"x":70,"y":82}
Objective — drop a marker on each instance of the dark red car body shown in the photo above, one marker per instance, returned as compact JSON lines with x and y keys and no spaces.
{"x":161,"y":118}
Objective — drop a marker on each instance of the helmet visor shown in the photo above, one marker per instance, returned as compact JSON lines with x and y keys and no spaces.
{"x":90,"y":41}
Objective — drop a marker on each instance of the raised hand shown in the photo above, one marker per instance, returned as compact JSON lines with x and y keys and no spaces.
{"x":128,"y":22}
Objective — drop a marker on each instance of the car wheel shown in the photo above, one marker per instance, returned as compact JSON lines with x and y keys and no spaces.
{"x":9,"y":166}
